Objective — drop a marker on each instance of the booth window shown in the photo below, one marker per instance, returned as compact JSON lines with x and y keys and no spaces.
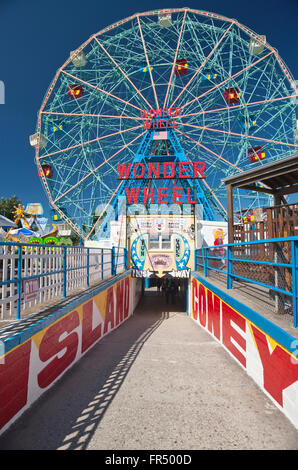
{"x":159,"y":242}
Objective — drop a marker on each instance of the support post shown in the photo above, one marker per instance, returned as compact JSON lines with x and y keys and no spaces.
{"x":88,"y":267}
{"x":206,"y":263}
{"x":196,"y":259}
{"x":230,"y":208}
{"x":19,"y":283}
{"x":187,"y":284}
{"x":229,"y":268}
{"x":113,"y":267}
{"x":64,"y":271}
{"x":294,"y":249}
{"x":125,"y":259}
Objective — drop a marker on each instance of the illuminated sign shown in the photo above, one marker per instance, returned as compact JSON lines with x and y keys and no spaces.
{"x":161,"y":171}
{"x":160,"y":118}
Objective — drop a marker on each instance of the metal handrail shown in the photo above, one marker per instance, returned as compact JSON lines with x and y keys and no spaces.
{"x":18,"y":256}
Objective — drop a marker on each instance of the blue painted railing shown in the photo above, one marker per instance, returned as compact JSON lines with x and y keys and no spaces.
{"x":222,"y":259}
{"x":21,"y":262}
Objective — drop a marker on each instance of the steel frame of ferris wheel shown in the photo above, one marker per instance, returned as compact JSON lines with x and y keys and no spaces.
{"x":40,"y":158}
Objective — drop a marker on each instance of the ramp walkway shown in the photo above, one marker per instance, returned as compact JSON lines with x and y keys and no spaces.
{"x":159,"y":381}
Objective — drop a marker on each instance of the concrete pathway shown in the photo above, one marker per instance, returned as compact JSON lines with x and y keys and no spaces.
{"x":157,"y":382}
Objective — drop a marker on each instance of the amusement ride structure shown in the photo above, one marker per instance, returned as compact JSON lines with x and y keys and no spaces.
{"x":32,"y":231}
{"x":175,"y":85}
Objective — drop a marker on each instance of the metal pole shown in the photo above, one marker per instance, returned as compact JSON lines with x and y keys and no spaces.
{"x":196,"y":259}
{"x":88,"y":267}
{"x":113,"y":270}
{"x":204,"y":260}
{"x":230,"y":213}
{"x":19,"y":283}
{"x":294,"y":246}
{"x":276,"y":283}
{"x":187,"y":283}
{"x":229,"y":269}
{"x":125,"y":259}
{"x":64,"y":271}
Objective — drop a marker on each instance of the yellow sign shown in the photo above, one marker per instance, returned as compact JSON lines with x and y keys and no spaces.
{"x":161,"y":244}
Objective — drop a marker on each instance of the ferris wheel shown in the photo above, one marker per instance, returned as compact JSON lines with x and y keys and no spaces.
{"x":235,"y":95}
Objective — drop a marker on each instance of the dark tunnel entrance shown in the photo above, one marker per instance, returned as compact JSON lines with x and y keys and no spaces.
{"x":167,"y":290}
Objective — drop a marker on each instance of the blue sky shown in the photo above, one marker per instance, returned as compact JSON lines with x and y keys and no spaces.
{"x":36,"y":37}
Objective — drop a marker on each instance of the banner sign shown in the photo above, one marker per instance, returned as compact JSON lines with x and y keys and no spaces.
{"x":31,"y":289}
{"x":32,"y":366}
{"x":273,"y":367}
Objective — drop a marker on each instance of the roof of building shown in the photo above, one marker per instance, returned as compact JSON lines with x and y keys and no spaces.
{"x":279,"y":177}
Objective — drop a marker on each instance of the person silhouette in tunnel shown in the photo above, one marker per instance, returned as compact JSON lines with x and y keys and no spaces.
{"x":167,"y":290}
{"x":173,"y":291}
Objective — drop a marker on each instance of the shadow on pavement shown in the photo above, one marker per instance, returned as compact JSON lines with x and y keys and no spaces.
{"x":67,"y":415}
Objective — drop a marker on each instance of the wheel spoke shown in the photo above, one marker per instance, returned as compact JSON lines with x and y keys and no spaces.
{"x":148,"y":63}
{"x":252,"y":137}
{"x":203,"y":63}
{"x":101,"y":90}
{"x":226,"y":80}
{"x":89,"y":142}
{"x":99,"y":166}
{"x":175,"y":58}
{"x":123,"y":73}
{"x":210,"y":151}
{"x":237,"y":106}
{"x":92,"y":115}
